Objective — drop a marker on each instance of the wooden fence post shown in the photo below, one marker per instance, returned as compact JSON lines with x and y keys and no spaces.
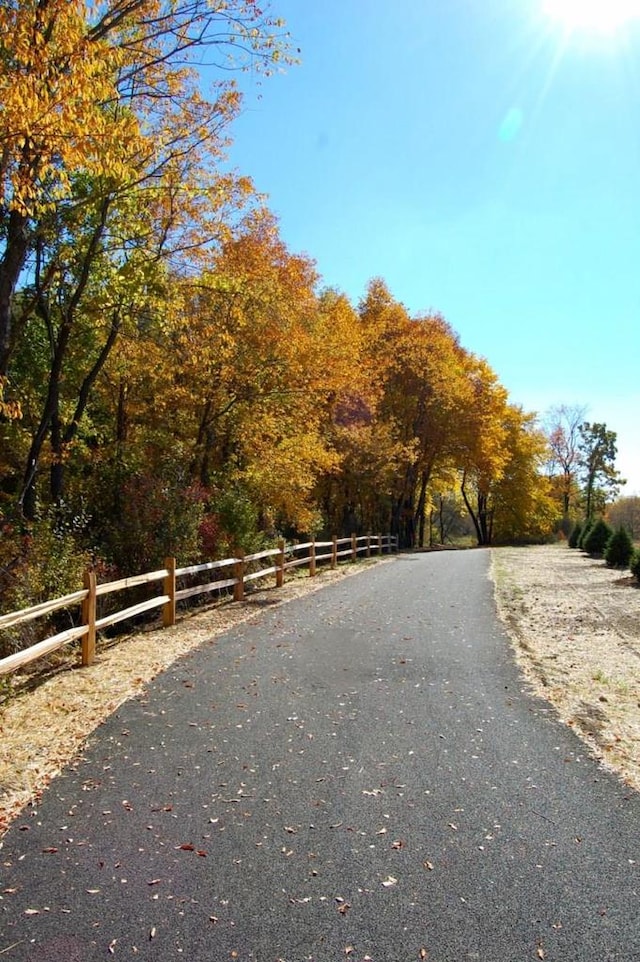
{"x":368,"y":552}
{"x":238,"y":574}
{"x":280,"y":564}
{"x":354,"y":547}
{"x":379,"y":544}
{"x":89,"y":619}
{"x":169,"y":588}
{"x":312,"y":558}
{"x":334,"y":552}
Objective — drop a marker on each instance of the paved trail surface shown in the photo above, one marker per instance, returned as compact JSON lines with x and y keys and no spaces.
{"x":358,"y":775}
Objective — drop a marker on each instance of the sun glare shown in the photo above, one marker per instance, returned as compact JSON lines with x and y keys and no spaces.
{"x":594,"y":16}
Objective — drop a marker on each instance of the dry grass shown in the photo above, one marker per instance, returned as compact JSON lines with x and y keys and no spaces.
{"x":575,"y":626}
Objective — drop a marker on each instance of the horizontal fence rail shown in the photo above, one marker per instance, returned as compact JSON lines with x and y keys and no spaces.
{"x":236,"y":573}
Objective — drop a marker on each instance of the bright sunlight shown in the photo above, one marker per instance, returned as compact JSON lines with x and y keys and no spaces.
{"x":596,"y":16}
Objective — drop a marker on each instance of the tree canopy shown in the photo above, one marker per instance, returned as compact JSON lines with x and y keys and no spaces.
{"x":172,"y":376}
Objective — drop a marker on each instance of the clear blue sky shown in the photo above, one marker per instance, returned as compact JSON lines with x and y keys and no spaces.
{"x":485,"y":161}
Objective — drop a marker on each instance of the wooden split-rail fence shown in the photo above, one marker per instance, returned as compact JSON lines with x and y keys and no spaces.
{"x":243,"y":571}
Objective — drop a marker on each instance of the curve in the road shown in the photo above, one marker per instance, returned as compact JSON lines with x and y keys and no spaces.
{"x":361,"y":775}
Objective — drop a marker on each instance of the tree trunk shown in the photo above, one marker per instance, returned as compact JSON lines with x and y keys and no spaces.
{"x":61,"y":440}
{"x":482,"y":518}
{"x":122,"y":416}
{"x":420,"y":513}
{"x":59,"y":345}
{"x":17,"y":245}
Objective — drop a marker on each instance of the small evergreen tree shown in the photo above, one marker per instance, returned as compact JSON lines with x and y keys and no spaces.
{"x":596,"y":541}
{"x":574,"y":537}
{"x":619,"y":548}
{"x":584,"y":532}
{"x":635,"y":564}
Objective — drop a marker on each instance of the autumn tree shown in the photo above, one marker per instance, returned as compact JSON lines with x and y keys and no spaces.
{"x":448,"y":517}
{"x":110,"y":279}
{"x":420,"y":369}
{"x":483,"y":453}
{"x":524,"y":509}
{"x":432,"y":394}
{"x":261,"y":359}
{"x":109,"y":166}
{"x":99,"y":89}
{"x":625,"y":511}
{"x":562,"y":428}
{"x":54,"y":83}
{"x":9,"y":410}
{"x":356,"y":495}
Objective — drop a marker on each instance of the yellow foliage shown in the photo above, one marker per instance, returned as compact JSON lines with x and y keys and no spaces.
{"x":11,"y":410}
{"x":55,"y":85}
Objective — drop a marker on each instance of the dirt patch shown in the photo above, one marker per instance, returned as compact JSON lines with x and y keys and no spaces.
{"x":575,"y":626}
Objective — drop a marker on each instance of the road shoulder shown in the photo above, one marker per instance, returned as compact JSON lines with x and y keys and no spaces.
{"x":575,"y":628}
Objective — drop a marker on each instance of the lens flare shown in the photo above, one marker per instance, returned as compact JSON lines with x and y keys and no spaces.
{"x":595,"y":16}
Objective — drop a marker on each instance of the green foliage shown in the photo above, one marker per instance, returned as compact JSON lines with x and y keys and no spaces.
{"x":598,"y":452}
{"x":584,"y":533}
{"x":574,"y":537}
{"x":238,"y":520}
{"x":634,"y":564}
{"x":596,"y":541}
{"x":619,"y":548}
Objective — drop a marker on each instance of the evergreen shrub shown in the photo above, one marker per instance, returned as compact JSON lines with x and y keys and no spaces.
{"x":574,"y":537}
{"x":619,"y":548}
{"x":584,"y":532}
{"x":635,"y":564}
{"x":597,"y":538}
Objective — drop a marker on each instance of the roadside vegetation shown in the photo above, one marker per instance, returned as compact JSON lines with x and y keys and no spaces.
{"x":615,"y":545}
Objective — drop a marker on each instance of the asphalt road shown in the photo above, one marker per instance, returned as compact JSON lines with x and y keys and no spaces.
{"x":358,"y":775}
